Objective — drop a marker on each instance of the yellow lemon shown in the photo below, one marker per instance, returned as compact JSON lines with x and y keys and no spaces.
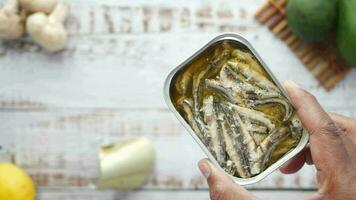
{"x":15,"y":184}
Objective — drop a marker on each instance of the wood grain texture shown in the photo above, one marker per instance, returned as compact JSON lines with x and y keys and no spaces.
{"x":159,"y":16}
{"x":57,"y":109}
{"x":59,"y":148}
{"x":93,"y":71}
{"x":160,"y":195}
{"x":117,"y":72}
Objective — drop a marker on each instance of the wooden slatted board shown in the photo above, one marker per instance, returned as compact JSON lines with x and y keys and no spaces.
{"x":321,"y":59}
{"x":56,"y":109}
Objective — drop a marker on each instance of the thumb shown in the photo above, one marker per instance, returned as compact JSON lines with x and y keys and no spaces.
{"x":221,"y":186}
{"x":326,"y":146}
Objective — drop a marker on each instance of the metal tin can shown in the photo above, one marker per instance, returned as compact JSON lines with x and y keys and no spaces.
{"x":239,"y":41}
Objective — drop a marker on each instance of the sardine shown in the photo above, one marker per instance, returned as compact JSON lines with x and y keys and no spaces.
{"x":236,"y":151}
{"x":198,"y":80}
{"x":188,"y":110}
{"x":237,"y":87}
{"x":226,"y":92}
{"x":196,"y":93}
{"x":270,"y":143}
{"x":253,"y":151}
{"x":287,"y":106}
{"x":230,"y":167}
{"x":255,"y":128}
{"x":254,"y":77}
{"x":248,"y":59}
{"x":254,"y":115}
{"x":296,"y":127}
{"x":230,"y":79}
{"x":218,"y":61}
{"x":214,"y":128}
{"x":185,"y":83}
{"x":258,"y":137}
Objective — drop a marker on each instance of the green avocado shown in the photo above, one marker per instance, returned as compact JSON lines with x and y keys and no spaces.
{"x":346,"y":31}
{"x":312,"y":20}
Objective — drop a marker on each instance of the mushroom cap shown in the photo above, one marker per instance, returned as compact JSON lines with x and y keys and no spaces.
{"x":11,"y":25}
{"x":32,"y":6}
{"x":47,"y":32}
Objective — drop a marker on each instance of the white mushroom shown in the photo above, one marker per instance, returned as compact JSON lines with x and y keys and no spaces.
{"x":32,"y":6}
{"x":11,"y":23}
{"x":49,"y":31}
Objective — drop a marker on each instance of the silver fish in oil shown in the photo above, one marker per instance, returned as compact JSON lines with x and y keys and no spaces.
{"x":235,"y":109}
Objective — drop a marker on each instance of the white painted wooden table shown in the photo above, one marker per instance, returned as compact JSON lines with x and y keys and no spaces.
{"x":56,"y":110}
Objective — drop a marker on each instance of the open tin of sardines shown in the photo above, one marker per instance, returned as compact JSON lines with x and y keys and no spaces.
{"x":235,"y":109}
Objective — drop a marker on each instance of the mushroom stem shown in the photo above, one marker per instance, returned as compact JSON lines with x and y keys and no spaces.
{"x":60,"y":12}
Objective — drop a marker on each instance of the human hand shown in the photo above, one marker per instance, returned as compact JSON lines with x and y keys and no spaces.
{"x":221,"y":186}
{"x":345,"y":124}
{"x":332,"y":147}
{"x":332,"y":150}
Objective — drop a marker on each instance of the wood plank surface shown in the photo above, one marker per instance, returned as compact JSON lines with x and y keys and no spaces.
{"x":161,"y":195}
{"x":59,"y":148}
{"x":57,"y":109}
{"x":93,"y":71}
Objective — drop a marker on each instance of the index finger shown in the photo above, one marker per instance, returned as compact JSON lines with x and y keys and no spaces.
{"x":325,"y":141}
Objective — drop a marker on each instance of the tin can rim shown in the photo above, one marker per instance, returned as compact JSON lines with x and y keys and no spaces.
{"x":167,"y":85}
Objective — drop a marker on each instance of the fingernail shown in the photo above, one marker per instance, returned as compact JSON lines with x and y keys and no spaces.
{"x":204,"y":168}
{"x":291,"y":85}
